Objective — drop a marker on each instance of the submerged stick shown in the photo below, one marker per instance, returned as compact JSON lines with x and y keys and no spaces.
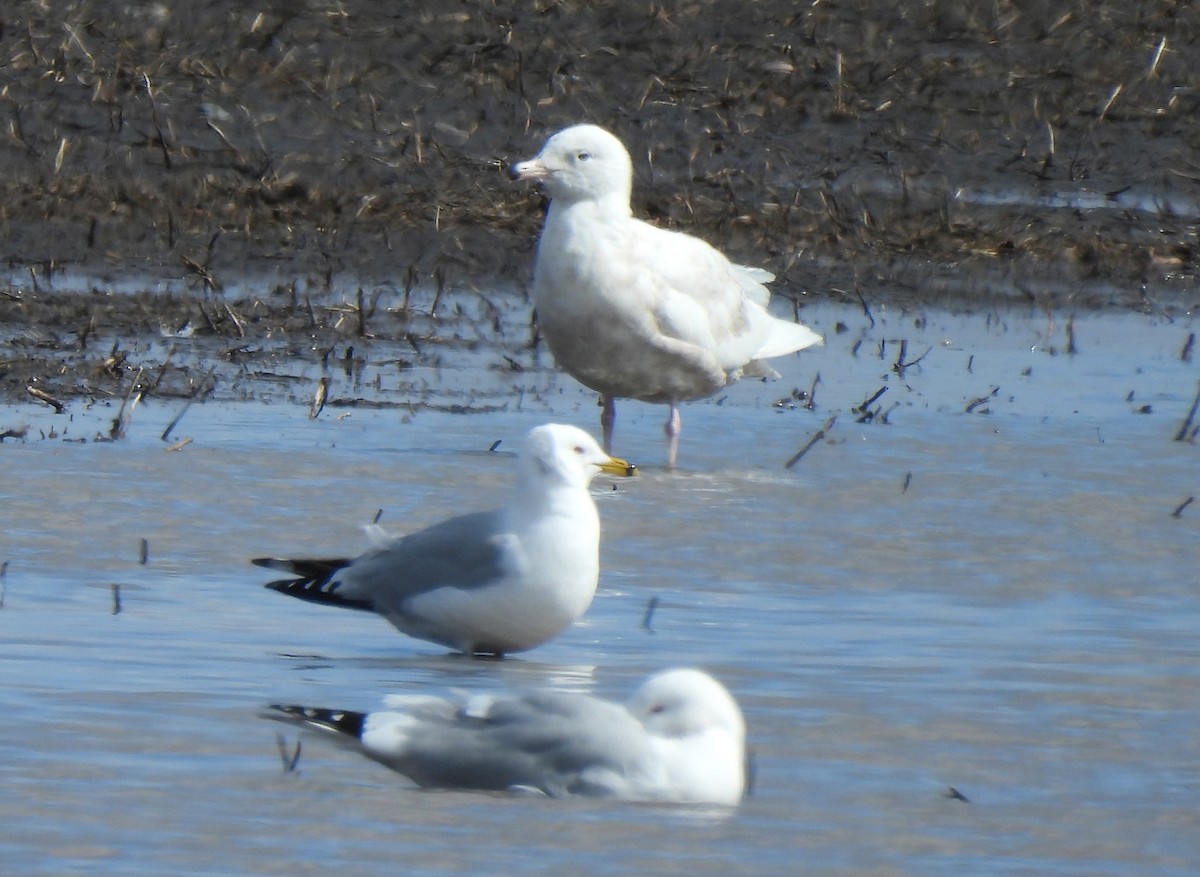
{"x":195,"y":393}
{"x":318,"y":402}
{"x":651,"y":605}
{"x":125,"y":413}
{"x":811,"y":404}
{"x":116,"y":595}
{"x":290,"y":760}
{"x":816,"y":437}
{"x":865,"y":308}
{"x":900,"y":366}
{"x":43,"y":396}
{"x":975,"y":403}
{"x":1186,"y":426}
{"x":866,"y":403}
{"x":1178,"y":513}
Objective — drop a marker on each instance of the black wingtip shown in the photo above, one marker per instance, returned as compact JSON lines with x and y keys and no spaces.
{"x":321,"y":591}
{"x":345,"y":722}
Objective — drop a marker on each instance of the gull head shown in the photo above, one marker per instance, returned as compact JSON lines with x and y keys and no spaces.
{"x":580,"y":163}
{"x":567,"y":455}
{"x":684,"y":703}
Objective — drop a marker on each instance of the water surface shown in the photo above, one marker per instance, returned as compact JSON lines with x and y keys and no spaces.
{"x":998,"y":602}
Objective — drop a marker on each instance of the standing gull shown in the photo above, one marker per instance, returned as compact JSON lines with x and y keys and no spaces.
{"x":637,"y":311}
{"x":680,"y":738}
{"x":489,"y":582}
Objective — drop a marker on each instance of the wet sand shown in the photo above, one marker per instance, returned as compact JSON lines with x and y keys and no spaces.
{"x":876,"y":152}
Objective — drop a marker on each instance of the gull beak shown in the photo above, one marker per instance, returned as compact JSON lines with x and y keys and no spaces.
{"x":527,"y":171}
{"x":617,"y":466}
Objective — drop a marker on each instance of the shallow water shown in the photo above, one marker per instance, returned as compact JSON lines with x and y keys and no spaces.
{"x":998,"y":602}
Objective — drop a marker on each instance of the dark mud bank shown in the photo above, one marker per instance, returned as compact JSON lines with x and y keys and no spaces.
{"x":911,"y":154}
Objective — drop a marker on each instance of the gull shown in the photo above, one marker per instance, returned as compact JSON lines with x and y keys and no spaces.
{"x":680,"y":738}
{"x":633,"y":310}
{"x":489,"y":582}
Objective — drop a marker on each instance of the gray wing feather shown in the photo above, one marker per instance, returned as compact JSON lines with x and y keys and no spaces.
{"x":462,"y":552}
{"x":542,"y":741}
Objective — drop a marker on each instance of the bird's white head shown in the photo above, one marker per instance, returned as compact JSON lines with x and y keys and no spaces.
{"x":581,"y":163}
{"x":566,"y":454}
{"x":685,"y":702}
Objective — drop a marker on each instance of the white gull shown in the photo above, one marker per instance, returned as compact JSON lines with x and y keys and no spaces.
{"x":679,"y":738}
{"x":632,"y":310}
{"x":489,"y":582}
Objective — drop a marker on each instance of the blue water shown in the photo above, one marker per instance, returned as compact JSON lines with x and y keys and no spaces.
{"x":998,"y":602}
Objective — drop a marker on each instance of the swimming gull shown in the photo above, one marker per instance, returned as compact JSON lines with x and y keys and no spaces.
{"x":489,"y":582}
{"x":632,"y":310}
{"x":680,"y":738}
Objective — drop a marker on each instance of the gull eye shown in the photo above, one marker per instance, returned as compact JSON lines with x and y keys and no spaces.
{"x":579,"y":450}
{"x":658,"y":708}
{"x":583,"y":156}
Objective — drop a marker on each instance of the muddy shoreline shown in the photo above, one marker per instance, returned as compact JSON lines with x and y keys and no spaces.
{"x":908,"y":156}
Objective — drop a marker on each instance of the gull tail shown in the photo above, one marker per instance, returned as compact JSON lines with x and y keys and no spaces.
{"x":344,"y":722}
{"x":786,"y":337}
{"x":316,"y":581}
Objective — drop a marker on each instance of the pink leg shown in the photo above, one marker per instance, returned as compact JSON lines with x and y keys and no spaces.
{"x":673,"y":427}
{"x":608,"y":417}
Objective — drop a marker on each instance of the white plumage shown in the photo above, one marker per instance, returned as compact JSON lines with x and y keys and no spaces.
{"x":489,"y":582}
{"x":632,"y":310}
{"x":679,"y":738}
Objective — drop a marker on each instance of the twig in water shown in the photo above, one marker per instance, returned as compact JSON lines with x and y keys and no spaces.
{"x":495,"y":445}
{"x":1178,"y":513}
{"x":195,"y":393}
{"x":1185,"y":355}
{"x":866,"y":403}
{"x":125,"y":414}
{"x":956,"y":795}
{"x":43,"y":396}
{"x":362,"y":314}
{"x":318,"y":402}
{"x":1186,"y":426}
{"x":378,"y":515}
{"x":3,"y":582}
{"x":289,"y":759}
{"x":651,"y":605}
{"x":866,"y":310}
{"x":116,"y":595}
{"x":907,"y":481}
{"x":1071,"y":348}
{"x":162,"y":370}
{"x":975,"y":403}
{"x":901,"y":365}
{"x":816,"y":437}
{"x":144,"y":554}
{"x":811,"y":404}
